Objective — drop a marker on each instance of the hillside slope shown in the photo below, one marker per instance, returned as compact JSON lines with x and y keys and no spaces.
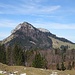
{"x":57,"y":42}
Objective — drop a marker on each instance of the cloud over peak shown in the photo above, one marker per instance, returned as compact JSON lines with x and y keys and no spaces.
{"x":27,"y":8}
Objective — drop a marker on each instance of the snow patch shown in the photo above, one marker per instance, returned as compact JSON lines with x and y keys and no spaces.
{"x":1,"y":72}
{"x":33,"y":42}
{"x":23,"y":74}
{"x":54,"y":73}
{"x":43,"y":30}
{"x":15,"y":72}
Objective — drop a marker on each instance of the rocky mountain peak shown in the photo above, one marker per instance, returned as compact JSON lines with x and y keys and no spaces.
{"x":29,"y":37}
{"x":22,"y":26}
{"x":26,"y":24}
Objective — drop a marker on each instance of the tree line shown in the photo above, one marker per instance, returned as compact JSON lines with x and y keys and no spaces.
{"x":17,"y":56}
{"x":62,"y":65}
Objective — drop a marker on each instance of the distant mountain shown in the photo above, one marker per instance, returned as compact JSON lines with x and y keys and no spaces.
{"x":29,"y":37}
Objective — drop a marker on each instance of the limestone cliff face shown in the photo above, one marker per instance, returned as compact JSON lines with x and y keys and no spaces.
{"x":28,"y":37}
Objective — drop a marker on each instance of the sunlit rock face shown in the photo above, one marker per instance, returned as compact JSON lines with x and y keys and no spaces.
{"x":29,"y":37}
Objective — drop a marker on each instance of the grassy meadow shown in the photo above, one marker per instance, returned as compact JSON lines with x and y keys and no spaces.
{"x":33,"y":71}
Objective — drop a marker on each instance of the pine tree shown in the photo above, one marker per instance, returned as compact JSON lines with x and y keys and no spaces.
{"x":9,"y":56}
{"x":39,"y":61}
{"x":2,"y":54}
{"x":18,"y":55}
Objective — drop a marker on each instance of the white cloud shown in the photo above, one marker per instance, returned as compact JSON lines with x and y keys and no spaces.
{"x":48,"y":25}
{"x":62,"y":26}
{"x":71,"y":38}
{"x":3,"y":35}
{"x":6,"y":27}
{"x":33,"y":1}
{"x":48,"y":9}
{"x":27,"y":8}
{"x":38,"y":24}
{"x":54,"y":25}
{"x":8,"y":23}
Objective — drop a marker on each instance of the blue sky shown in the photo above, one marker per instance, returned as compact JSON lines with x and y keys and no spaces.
{"x":58,"y":16}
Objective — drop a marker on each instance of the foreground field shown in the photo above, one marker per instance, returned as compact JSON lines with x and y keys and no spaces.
{"x":32,"y":71}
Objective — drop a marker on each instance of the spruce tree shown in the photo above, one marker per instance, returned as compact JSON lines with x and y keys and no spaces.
{"x":9,"y":55}
{"x":2,"y":54}
{"x":39,"y":61}
{"x":18,"y":55}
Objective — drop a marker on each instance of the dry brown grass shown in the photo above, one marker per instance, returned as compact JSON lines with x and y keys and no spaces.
{"x":33,"y":71}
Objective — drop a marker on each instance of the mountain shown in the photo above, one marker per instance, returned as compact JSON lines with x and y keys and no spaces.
{"x":29,"y":37}
{"x":47,"y":32}
{"x":36,"y":44}
{"x":57,"y":42}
